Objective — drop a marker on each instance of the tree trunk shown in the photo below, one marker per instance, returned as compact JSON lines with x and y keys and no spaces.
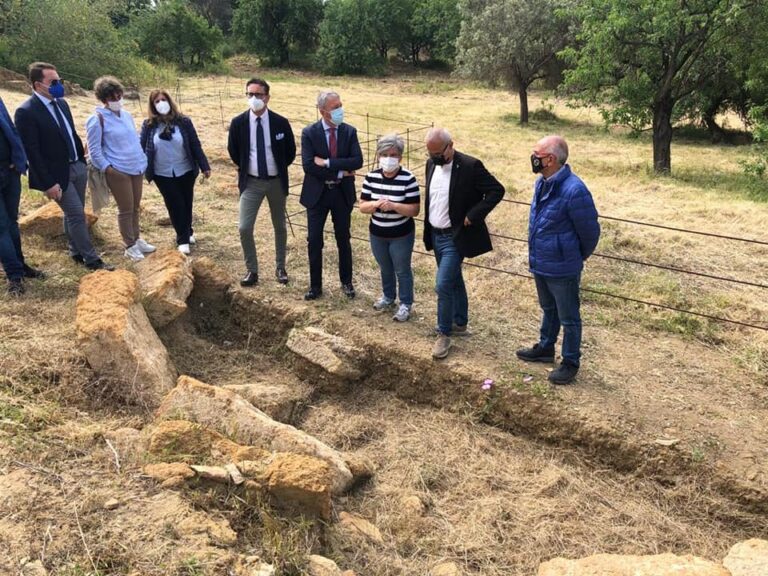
{"x":523,"y":94}
{"x":662,"y":134}
{"x":716,"y":133}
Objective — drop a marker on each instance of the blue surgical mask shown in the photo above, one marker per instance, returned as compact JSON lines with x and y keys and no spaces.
{"x":56,"y":89}
{"x":337,"y":116}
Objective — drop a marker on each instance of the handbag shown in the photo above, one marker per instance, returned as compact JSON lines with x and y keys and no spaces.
{"x":97,"y":180}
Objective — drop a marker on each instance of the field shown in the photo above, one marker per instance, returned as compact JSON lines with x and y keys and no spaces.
{"x":671,"y":409}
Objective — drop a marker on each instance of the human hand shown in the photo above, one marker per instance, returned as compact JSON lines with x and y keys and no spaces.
{"x":54,"y":192}
{"x":467,"y":221}
{"x":320,"y":161}
{"x":207,"y":174}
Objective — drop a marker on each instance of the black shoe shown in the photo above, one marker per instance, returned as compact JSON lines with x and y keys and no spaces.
{"x":100,"y":265}
{"x":250,"y":279}
{"x":349,"y":290}
{"x":281,"y":275}
{"x":536,"y":354}
{"x":313,"y":294}
{"x":563,"y":374}
{"x":30,"y":272}
{"x":78,"y":259}
{"x":15,"y":287}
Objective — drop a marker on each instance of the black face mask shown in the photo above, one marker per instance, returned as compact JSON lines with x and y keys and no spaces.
{"x":439,"y":159}
{"x":536,"y":163}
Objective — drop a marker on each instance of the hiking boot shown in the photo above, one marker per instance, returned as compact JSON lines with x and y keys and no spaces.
{"x":15,"y":287}
{"x":441,"y":347}
{"x":537,"y":354}
{"x":402,"y":314}
{"x":382,"y":304}
{"x":563,"y":374}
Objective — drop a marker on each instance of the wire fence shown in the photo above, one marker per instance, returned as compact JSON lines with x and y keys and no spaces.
{"x":414,"y":132}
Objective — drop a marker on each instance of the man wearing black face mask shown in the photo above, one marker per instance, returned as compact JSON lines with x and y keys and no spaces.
{"x":460,"y":193}
{"x":563,"y":231}
{"x":56,"y":158}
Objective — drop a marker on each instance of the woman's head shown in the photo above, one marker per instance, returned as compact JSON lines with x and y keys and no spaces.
{"x":389,"y":149}
{"x":161,"y":105}
{"x":108,"y":89}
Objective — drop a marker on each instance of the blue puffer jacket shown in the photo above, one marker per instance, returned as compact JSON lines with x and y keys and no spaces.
{"x":562,"y":229}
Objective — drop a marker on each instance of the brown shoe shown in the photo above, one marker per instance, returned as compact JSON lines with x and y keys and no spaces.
{"x":441,"y":347}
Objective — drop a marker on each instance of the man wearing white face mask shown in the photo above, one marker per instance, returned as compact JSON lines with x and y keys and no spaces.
{"x":262,"y":146}
{"x":114,"y":148}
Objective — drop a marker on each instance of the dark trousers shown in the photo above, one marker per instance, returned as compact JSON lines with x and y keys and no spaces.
{"x":10,"y":239}
{"x":178,"y":193}
{"x":559,"y":301}
{"x":331,"y":201}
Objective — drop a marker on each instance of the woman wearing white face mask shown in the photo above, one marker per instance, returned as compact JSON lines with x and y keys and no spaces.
{"x":114,"y":148}
{"x":174,"y":159}
{"x":391,"y":195}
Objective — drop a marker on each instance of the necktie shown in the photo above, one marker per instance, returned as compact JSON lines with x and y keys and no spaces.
{"x":261,"y":152}
{"x":332,"y":142}
{"x":63,"y":130}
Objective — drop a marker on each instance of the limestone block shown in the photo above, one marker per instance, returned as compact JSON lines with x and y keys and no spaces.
{"x":617,"y":565}
{"x":445,"y":569}
{"x":233,"y":416}
{"x":164,"y":471}
{"x":748,"y":558}
{"x":322,"y":566}
{"x":166,"y":282}
{"x":48,"y":220}
{"x":115,"y":334}
{"x":302,"y":482}
{"x":359,"y":525}
{"x":331,"y":353}
{"x":283,"y":402}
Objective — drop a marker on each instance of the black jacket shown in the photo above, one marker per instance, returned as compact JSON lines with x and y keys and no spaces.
{"x":473,"y":193}
{"x":283,"y":146}
{"x":191,"y":145}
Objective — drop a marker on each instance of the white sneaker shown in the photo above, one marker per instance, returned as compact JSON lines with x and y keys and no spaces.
{"x":402,"y":314}
{"x":192,"y":239}
{"x":184,"y":249}
{"x":144,"y":246}
{"x":383,"y":303}
{"x":134,"y":253}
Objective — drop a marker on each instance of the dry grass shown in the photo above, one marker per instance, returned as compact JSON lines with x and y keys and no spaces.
{"x":496,"y":504}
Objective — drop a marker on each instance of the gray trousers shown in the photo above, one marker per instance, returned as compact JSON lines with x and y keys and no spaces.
{"x":72,"y":203}
{"x":250,"y":202}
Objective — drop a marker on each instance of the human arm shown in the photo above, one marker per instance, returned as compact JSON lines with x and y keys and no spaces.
{"x":94,"y":131}
{"x":197,"y":149}
{"x":490,"y":190}
{"x":583,"y":216}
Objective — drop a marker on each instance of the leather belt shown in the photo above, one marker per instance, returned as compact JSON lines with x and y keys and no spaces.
{"x":262,"y":177}
{"x":442,"y":231}
{"x":332,"y":183}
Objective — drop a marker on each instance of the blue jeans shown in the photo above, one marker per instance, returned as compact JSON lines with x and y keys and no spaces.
{"x":452,"y":304}
{"x":394,"y":258}
{"x":559,"y":300}
{"x":10,"y":239}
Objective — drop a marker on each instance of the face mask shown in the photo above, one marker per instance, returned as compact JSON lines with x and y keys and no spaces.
{"x":440,"y":159}
{"x":56,"y":89}
{"x":389,"y":163}
{"x":536,"y":163}
{"x":115,"y":106}
{"x":163,"y":107}
{"x":256,"y":104}
{"x":337,"y":116}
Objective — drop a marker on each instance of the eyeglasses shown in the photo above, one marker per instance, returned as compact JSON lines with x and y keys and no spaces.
{"x":260,"y":95}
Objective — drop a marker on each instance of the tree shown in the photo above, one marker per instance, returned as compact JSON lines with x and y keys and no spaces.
{"x":217,"y":12}
{"x":277,"y":29}
{"x":642,"y":58}
{"x":433,"y":28}
{"x":174,"y":32}
{"x":512,"y":43}
{"x":345,"y":34}
{"x":389,"y":21}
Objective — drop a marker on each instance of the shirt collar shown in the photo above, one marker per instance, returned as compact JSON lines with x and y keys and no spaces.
{"x":327,"y":126}
{"x":43,"y":99}
{"x":555,"y":175}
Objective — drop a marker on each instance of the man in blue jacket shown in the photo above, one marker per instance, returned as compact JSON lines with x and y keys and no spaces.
{"x":562,"y":233}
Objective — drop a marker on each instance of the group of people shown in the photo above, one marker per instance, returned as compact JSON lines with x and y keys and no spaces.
{"x":459,"y":193}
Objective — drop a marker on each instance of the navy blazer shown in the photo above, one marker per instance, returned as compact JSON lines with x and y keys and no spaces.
{"x":18,"y":156}
{"x":191,"y":146}
{"x":46,"y":148}
{"x":349,"y":157}
{"x":473,"y":193}
{"x":283,"y":146}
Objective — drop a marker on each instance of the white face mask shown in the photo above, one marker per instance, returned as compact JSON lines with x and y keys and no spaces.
{"x":389,"y":163}
{"x":256,"y":104}
{"x":115,"y":106}
{"x":162,"y":107}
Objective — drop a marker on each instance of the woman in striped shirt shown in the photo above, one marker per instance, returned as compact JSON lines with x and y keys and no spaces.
{"x":391,"y":196}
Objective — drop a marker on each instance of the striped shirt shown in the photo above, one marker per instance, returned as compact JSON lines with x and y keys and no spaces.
{"x":403,"y":189}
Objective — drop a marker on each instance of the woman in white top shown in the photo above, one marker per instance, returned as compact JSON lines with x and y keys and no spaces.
{"x":114,"y":148}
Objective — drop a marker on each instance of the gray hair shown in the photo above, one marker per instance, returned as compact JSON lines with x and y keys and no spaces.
{"x":559,"y":147}
{"x":440,"y":134}
{"x":390,"y":141}
{"x":323,"y":97}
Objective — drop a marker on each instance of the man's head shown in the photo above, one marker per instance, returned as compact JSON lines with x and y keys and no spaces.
{"x":257,"y":92}
{"x":549,"y":155}
{"x":330,"y":108}
{"x":440,"y":146}
{"x":45,"y":80}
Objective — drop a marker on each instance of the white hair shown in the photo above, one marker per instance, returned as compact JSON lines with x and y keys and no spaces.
{"x":440,"y":134}
{"x":390,"y":142}
{"x":323,"y":97}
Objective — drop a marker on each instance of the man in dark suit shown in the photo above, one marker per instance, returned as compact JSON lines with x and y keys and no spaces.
{"x":13,"y":163}
{"x":261,"y":144}
{"x":56,"y":159}
{"x":330,"y":154}
{"x":460,"y":193}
